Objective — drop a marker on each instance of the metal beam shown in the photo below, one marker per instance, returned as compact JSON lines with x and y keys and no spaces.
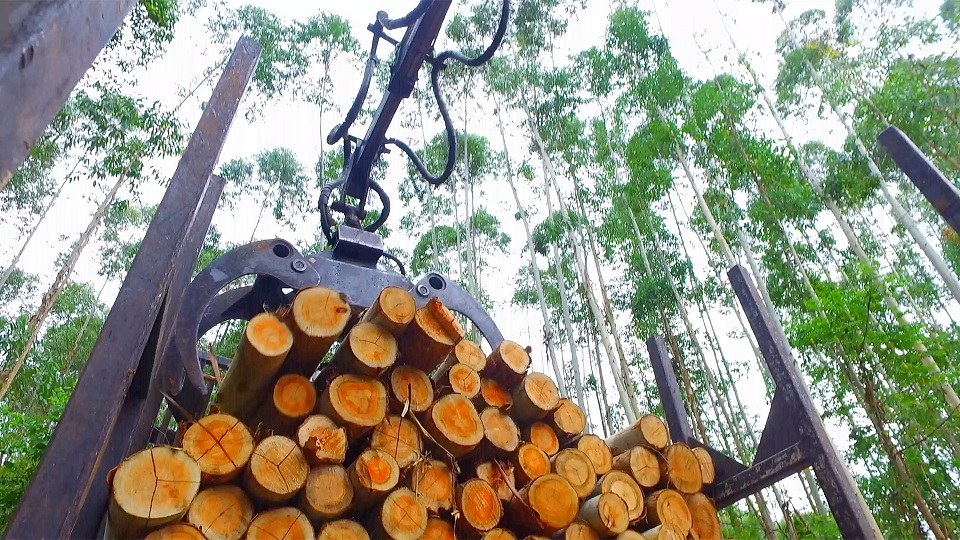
{"x":51,"y":505}
{"x":45,"y":48}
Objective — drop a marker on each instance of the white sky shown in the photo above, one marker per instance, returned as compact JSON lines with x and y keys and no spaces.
{"x":685,"y":22}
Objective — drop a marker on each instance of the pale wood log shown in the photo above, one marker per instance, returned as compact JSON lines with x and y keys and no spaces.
{"x":221,"y":445}
{"x":534,"y":398}
{"x":409,"y":387}
{"x":292,"y":400}
{"x":529,"y":463}
{"x":630,"y":534}
{"x":400,"y":517}
{"x":576,"y":467}
{"x":221,"y":512}
{"x":433,"y":482}
{"x":393,"y":310}
{"x":596,"y":449}
{"x":355,"y":403}
{"x":368,"y":350}
{"x":667,"y":506}
{"x":322,"y":440}
{"x":263,"y":347}
{"x":343,"y":529}
{"x":499,"y":534}
{"x":479,"y":508}
{"x":650,"y":430}
{"x":177,"y":531}
{"x":704,"y":520}
{"x":400,"y":438}
{"x":577,"y":530}
{"x":567,"y":420}
{"x":430,"y":337}
{"x":663,"y":532}
{"x":707,"y":470}
{"x":285,"y":523}
{"x":542,"y":435}
{"x":492,"y":395}
{"x":606,"y":513}
{"x":278,"y":469}
{"x":641,"y":463}
{"x":460,"y":379}
{"x":507,"y":363}
{"x":454,"y":424}
{"x":150,"y":489}
{"x":327,"y":494}
{"x":680,"y":469}
{"x":465,"y":352}
{"x":544,"y":506}
{"x":317,"y":317}
{"x":501,"y":437}
{"x":500,"y":477}
{"x":439,"y":529}
{"x":623,"y":485}
{"x":373,"y":475}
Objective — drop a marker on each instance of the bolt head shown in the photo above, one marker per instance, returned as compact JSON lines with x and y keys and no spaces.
{"x":422,"y":290}
{"x":299,"y":266}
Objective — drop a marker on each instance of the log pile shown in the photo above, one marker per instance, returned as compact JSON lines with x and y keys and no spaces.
{"x":398,"y":427}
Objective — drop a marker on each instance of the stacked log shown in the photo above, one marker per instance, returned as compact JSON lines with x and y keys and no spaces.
{"x":407,"y":431}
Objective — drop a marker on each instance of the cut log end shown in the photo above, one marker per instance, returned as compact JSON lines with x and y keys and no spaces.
{"x":534,"y":398}
{"x":680,"y":468}
{"x":432,"y":481}
{"x":630,"y":534}
{"x":343,"y":529}
{"x":469,"y":353}
{"x":357,"y":403}
{"x":707,"y":470}
{"x":463,"y":380}
{"x":221,"y":445}
{"x":650,"y":430}
{"x":654,"y":431}
{"x":177,"y":531}
{"x":409,"y":384}
{"x":704,"y":521}
{"x":221,"y":512}
{"x":327,"y":494}
{"x":500,"y":432}
{"x":453,"y":423}
{"x":375,"y":470}
{"x":393,"y":310}
{"x":530,"y":463}
{"x":664,"y":532}
{"x":369,"y":350}
{"x":624,"y":486}
{"x":543,"y":436}
{"x":294,"y":398}
{"x":268,"y":335}
{"x":508,"y":363}
{"x":667,"y":507}
{"x":499,"y":476}
{"x":576,"y":467}
{"x":278,"y":469}
{"x":152,"y":488}
{"x":596,"y":449}
{"x":431,"y":337}
{"x":493,"y":395}
{"x":439,"y":529}
{"x":499,"y":534}
{"x":552,"y":500}
{"x":321,"y":440}
{"x":281,"y":524}
{"x":568,"y":419}
{"x":320,"y":312}
{"x":402,"y":516}
{"x":606,"y":513}
{"x":263,"y":347}
{"x":479,"y":507}
{"x":400,"y":438}
{"x":580,"y":531}
{"x":641,"y":463}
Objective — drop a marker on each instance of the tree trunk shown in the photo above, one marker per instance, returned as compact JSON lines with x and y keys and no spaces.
{"x":400,"y":438}
{"x":543,"y":437}
{"x":545,"y":506}
{"x":501,"y":436}
{"x":317,"y":317}
{"x":626,"y":487}
{"x":269,"y":483}
{"x":668,"y":507}
{"x":327,"y":494}
{"x":567,"y":325}
{"x":221,"y":445}
{"x":606,"y":514}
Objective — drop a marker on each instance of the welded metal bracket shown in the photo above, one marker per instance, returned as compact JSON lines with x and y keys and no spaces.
{"x":794,"y":436}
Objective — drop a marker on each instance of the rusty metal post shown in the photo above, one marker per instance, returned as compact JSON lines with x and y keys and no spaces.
{"x":64,"y":481}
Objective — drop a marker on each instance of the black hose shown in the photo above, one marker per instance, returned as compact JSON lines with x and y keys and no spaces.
{"x":341,"y":130}
{"x":487,"y":54}
{"x":385,"y":213}
{"x":408,"y":19}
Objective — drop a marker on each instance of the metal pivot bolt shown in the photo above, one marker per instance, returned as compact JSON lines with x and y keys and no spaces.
{"x":422,"y":290}
{"x":299,"y":265}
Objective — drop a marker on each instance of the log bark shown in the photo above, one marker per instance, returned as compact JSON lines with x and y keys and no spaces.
{"x":707,"y":470}
{"x":430,"y":337}
{"x":409,"y":384}
{"x":150,"y":489}
{"x":529,"y":463}
{"x":400,"y":438}
{"x":543,"y":436}
{"x":479,"y":507}
{"x":263,"y":347}
{"x":567,"y":420}
{"x":322,"y":440}
{"x":501,"y":436}
{"x":576,"y":467}
{"x":454,"y":424}
{"x":221,"y":512}
{"x":507,"y":364}
{"x":578,"y":530}
{"x":277,"y":471}
{"x":317,"y":317}
{"x":177,"y":531}
{"x":466,"y":352}
{"x":291,"y":402}
{"x":680,"y":469}
{"x":343,"y":529}
{"x":545,"y":506}
{"x":500,"y":477}
{"x":596,"y":449}
{"x":460,"y":379}
{"x":492,"y":395}
{"x":328,"y":493}
{"x":704,"y":521}
{"x":499,"y":534}
{"x":354,"y":402}
{"x":432,"y":481}
{"x":624,"y":486}
{"x":285,"y":523}
{"x":534,"y":398}
{"x":649,"y":430}
{"x":393,"y":310}
{"x":667,"y":507}
{"x":368,"y":350}
{"x":401,"y":517}
{"x":373,"y":475}
{"x":606,"y":513}
{"x":439,"y":529}
{"x":641,"y":463}
{"x":221,"y":445}
{"x":664,"y":532}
